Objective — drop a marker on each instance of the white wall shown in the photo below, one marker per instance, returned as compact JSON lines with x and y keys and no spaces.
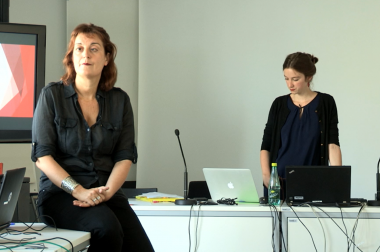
{"x":212,"y":68}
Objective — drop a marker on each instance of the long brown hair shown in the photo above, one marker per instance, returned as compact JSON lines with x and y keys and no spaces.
{"x":109,"y":72}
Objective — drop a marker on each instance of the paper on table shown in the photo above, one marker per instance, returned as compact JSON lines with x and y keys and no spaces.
{"x":160,"y":195}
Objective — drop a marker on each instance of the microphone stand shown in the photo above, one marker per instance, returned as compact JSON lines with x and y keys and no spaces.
{"x":185,"y":201}
{"x":376,"y":202}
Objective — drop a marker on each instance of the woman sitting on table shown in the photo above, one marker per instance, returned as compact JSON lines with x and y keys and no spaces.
{"x":83,"y":142}
{"x":302,"y":127}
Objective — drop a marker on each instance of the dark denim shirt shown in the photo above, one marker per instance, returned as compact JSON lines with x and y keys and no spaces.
{"x":88,"y":154}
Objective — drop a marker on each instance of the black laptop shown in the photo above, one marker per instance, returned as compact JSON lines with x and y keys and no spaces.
{"x":9,"y":191}
{"x":323,"y":185}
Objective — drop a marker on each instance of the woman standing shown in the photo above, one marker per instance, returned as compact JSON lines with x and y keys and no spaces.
{"x":302,"y":127}
{"x":83,"y":142}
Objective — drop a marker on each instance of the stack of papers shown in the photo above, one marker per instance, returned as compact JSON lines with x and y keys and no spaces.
{"x":156,"y":197}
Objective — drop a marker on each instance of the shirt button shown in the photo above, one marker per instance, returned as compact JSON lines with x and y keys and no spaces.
{"x":88,"y":129}
{"x":316,"y":111}
{"x":89,"y":148}
{"x":321,"y":144}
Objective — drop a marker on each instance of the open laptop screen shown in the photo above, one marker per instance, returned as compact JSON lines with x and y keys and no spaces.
{"x":231,"y":183}
{"x":9,"y":191}
{"x":318,"y":184}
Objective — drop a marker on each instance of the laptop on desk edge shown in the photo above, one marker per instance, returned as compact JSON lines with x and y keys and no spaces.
{"x":325,"y":185}
{"x":231,"y":183}
{"x":9,"y":192}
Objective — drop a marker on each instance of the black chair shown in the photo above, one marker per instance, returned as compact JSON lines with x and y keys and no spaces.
{"x":130,"y":190}
{"x":198,"y":189}
{"x":129,"y":184}
{"x":133,"y":192}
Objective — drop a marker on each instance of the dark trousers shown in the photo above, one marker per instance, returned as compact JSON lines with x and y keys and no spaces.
{"x":114,"y":226}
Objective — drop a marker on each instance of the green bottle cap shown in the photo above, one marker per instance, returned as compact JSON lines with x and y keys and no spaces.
{"x":274,"y":164}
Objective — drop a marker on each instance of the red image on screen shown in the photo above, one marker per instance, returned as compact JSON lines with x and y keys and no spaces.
{"x":17,"y":69}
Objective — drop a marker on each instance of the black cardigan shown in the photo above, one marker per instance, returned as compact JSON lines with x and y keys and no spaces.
{"x":328,"y":120}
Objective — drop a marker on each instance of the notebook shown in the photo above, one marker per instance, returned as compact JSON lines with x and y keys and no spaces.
{"x":327,"y":185}
{"x":9,"y":192}
{"x":231,"y":183}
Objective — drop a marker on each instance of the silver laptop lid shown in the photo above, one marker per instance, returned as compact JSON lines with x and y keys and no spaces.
{"x":231,"y":183}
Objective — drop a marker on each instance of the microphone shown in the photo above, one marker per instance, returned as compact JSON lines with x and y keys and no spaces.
{"x":185,"y":201}
{"x":376,"y":202}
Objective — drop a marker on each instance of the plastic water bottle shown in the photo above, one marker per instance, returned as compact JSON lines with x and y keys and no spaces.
{"x":274,"y":187}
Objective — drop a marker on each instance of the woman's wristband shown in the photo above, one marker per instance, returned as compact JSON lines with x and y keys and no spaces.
{"x":69,"y":184}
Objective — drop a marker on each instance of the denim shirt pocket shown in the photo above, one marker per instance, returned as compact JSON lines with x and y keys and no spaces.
{"x":68,"y":138}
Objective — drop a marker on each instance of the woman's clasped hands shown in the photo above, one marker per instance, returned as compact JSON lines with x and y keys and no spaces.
{"x":90,"y":197}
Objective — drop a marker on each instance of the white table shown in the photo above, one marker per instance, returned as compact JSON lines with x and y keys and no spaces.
{"x":246,"y":227}
{"x":79,"y":239}
{"x":297,"y":238}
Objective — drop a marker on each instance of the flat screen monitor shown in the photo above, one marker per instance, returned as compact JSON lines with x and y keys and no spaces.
{"x":22,"y":76}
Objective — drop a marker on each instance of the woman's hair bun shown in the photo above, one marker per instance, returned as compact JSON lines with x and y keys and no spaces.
{"x":301,"y":62}
{"x":313,"y":59}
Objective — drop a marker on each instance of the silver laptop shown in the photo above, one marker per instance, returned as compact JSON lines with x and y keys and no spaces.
{"x":231,"y":183}
{"x":9,"y":191}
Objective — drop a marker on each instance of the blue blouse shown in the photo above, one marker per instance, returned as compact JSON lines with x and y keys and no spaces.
{"x":300,"y":137}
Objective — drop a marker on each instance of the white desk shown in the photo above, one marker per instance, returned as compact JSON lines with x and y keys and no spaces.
{"x":79,"y":239}
{"x":297,"y":238}
{"x":246,"y":227}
